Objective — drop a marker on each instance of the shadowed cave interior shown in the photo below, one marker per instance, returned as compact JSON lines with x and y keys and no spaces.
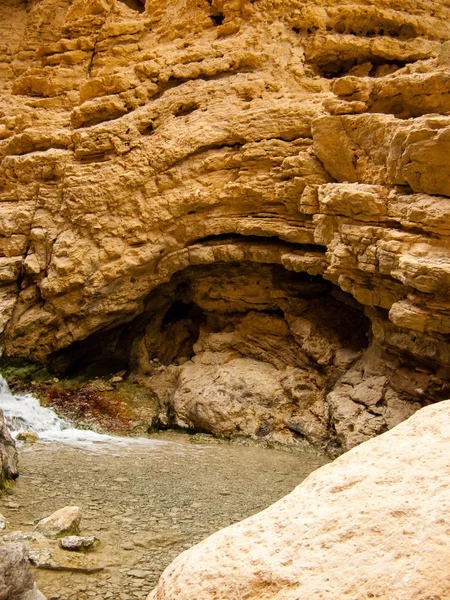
{"x":258,"y":311}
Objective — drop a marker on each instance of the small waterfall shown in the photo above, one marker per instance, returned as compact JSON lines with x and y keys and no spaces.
{"x":23,"y":412}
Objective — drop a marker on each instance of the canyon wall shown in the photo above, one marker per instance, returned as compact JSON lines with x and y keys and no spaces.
{"x":244,"y":204}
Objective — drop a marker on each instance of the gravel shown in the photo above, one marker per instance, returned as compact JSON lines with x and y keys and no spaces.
{"x":145,"y":504}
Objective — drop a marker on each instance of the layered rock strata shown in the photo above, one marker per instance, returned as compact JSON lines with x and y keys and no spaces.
{"x":254,"y":194}
{"x":372,"y":524}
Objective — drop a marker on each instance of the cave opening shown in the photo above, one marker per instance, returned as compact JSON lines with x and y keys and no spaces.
{"x":260,"y":311}
{"x":217,"y":19}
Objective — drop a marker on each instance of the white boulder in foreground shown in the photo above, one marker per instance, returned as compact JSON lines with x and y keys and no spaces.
{"x":373,"y":524}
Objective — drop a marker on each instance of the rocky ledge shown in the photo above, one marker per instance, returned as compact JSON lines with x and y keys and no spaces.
{"x":241,"y":205}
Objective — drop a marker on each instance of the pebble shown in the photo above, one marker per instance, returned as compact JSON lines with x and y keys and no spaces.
{"x":128,"y":546}
{"x":137,"y":573}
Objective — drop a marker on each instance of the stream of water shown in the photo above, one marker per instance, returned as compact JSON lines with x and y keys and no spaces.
{"x":23,"y":412}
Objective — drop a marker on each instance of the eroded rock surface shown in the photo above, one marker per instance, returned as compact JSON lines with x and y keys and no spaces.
{"x":374,"y":523}
{"x":189,"y":187}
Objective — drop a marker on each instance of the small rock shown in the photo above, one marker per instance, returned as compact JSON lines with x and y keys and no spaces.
{"x":128,"y":546}
{"x":116,"y":379}
{"x":122,"y":479}
{"x":27,"y":436}
{"x":76,"y":543}
{"x":13,"y":505}
{"x":16,"y":536}
{"x":64,"y":520}
{"x":138,"y":573}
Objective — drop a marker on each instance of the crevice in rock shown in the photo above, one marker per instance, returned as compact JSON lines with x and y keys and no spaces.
{"x":136,"y":5}
{"x":217,"y":19}
{"x":342,"y":67}
{"x":186,"y":109}
{"x":231,"y":238}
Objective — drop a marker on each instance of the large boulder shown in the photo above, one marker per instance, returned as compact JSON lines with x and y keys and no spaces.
{"x":16,"y":582}
{"x":372,"y":524}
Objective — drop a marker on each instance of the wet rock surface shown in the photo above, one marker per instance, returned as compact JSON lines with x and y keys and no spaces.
{"x":144,"y":504}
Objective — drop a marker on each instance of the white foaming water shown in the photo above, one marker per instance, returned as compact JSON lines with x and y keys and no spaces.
{"x":23,"y":412}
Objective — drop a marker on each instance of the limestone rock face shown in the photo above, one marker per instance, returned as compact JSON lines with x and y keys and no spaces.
{"x":374,"y":523}
{"x":232,"y":181}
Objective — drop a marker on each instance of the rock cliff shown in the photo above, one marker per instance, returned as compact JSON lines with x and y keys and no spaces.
{"x":253,"y":194}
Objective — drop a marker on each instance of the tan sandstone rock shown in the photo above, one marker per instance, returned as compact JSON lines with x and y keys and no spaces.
{"x":373,"y":524}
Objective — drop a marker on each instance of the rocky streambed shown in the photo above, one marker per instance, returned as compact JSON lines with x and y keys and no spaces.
{"x":146,"y":503}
